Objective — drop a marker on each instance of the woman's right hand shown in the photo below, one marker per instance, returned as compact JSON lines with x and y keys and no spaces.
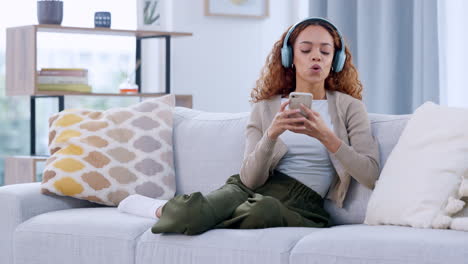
{"x":285,"y":119}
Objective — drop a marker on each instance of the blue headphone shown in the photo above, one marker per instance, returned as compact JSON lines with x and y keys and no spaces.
{"x":287,"y":53}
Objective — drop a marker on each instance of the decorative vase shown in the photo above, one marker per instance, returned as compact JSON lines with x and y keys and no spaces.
{"x":50,"y":12}
{"x":153,"y":14}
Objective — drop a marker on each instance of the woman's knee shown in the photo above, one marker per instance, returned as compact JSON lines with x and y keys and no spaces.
{"x":261,"y":212}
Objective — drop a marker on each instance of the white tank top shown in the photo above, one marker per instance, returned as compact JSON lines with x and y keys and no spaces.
{"x":307,"y":159}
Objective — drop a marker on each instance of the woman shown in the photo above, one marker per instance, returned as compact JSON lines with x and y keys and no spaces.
{"x":291,"y":161}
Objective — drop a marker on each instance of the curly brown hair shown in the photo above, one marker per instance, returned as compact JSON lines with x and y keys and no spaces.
{"x":278,"y":80}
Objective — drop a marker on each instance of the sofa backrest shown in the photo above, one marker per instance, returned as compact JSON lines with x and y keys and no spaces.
{"x":209,"y":147}
{"x":387,"y":130}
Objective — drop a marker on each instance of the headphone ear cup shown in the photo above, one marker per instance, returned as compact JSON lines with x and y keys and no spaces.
{"x":339,"y":61}
{"x":286,"y":56}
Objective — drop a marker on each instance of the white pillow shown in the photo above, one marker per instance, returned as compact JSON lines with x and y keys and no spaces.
{"x":426,"y":175}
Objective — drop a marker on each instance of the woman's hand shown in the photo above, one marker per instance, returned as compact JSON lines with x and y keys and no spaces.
{"x":285,"y":120}
{"x":314,"y":126}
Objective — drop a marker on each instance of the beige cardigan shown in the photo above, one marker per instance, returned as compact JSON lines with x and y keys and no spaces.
{"x":357,"y":157}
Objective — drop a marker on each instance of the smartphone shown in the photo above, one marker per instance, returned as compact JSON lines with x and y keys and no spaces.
{"x":296,"y":99}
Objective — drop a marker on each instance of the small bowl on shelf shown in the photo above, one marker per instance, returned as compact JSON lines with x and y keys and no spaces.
{"x":128,"y":91}
{"x":128,"y":87}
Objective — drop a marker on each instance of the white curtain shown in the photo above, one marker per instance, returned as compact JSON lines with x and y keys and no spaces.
{"x":454,"y":56}
{"x":395,"y":47}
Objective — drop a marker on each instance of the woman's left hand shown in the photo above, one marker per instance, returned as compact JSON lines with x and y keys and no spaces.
{"x":314,"y":126}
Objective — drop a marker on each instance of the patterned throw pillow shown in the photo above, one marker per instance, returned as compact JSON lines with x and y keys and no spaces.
{"x":104,"y":156}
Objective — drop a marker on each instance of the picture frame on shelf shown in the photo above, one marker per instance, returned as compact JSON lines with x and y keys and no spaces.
{"x":154,"y":15}
{"x":237,"y":8}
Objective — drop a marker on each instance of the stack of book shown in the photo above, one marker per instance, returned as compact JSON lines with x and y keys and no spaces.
{"x":63,"y":79}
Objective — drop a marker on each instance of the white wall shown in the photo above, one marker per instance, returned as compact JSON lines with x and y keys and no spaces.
{"x":220,"y":63}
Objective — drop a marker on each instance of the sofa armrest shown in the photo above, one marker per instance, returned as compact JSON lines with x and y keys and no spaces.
{"x":20,"y":202}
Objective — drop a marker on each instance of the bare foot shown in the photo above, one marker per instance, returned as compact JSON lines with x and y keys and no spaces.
{"x":159,"y":212}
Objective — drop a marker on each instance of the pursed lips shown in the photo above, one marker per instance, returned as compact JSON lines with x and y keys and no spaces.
{"x":316,"y":68}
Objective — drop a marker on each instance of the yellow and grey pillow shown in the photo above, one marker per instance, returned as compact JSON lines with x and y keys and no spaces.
{"x":104,"y":156}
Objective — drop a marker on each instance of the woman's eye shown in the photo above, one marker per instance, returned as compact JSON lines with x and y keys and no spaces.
{"x":305,"y":51}
{"x":326,"y":53}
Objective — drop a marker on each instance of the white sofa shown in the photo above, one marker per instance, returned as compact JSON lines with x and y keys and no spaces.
{"x":208,"y":148}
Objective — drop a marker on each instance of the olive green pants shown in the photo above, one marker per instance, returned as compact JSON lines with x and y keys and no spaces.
{"x":282,"y":201}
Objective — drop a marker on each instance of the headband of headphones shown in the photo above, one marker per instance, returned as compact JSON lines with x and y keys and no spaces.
{"x":287,"y":53}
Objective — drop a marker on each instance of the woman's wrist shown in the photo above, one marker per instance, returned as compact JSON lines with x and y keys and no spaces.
{"x":331,"y":141}
{"x":271,"y":135}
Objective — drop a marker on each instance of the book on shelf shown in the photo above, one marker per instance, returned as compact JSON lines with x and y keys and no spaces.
{"x":63,"y":79}
{"x":41,"y":79}
{"x":84,"y":88}
{"x":77,"y":72}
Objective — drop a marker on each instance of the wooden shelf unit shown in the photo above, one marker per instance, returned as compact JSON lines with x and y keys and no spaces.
{"x":185,"y":100}
{"x":21,"y":52}
{"x":21,"y":169}
{"x":108,"y":31}
{"x":21,"y":79}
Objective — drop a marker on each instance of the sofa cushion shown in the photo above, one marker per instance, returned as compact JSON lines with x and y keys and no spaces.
{"x":427,"y":170}
{"x":76,"y":236}
{"x":386,"y":129}
{"x":208,"y":148}
{"x":269,"y":245}
{"x":350,"y":244}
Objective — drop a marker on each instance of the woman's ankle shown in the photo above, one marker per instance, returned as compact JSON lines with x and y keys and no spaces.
{"x":159,"y":212}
